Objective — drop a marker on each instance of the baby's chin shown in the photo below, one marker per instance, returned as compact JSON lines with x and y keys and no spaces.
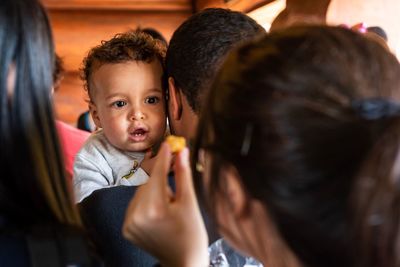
{"x":138,"y":147}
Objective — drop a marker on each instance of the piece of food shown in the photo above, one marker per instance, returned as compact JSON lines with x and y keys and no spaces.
{"x":176,"y":143}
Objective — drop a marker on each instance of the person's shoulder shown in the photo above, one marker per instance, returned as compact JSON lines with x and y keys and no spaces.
{"x":71,"y":133}
{"x":96,"y":141}
{"x":13,"y":250}
{"x":98,"y":146}
{"x":64,"y":246}
{"x":71,"y":138}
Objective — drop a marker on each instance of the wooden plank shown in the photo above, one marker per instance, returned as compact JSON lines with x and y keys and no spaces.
{"x":239,"y":5}
{"x":247,"y":6}
{"x":202,"y":4}
{"x":133,"y":5}
{"x":75,"y":32}
{"x":70,"y":99}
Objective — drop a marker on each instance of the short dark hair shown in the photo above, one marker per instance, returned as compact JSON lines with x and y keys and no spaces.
{"x":129,"y":46}
{"x":198,"y":47}
{"x":310,"y":118}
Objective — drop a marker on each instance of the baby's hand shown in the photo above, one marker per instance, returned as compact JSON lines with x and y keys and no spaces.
{"x":176,"y":143}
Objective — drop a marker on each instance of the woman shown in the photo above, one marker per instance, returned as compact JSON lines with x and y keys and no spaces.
{"x":299,"y":148}
{"x":38,"y":223}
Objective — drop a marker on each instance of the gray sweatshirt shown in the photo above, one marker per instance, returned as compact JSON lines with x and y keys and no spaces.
{"x":99,"y":164}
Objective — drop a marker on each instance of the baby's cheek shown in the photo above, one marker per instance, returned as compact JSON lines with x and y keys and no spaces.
{"x":116,"y":127}
{"x":161,"y":119}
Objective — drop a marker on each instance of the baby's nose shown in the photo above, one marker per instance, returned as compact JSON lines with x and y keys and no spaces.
{"x":137,"y":115}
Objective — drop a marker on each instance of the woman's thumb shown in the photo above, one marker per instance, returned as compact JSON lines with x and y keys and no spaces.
{"x":183,"y":176}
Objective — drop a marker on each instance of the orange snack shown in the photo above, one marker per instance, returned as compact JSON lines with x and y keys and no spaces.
{"x":176,"y":143}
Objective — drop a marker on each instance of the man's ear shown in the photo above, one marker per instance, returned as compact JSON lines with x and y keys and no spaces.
{"x":235,"y":193}
{"x":175,"y":100}
{"x":94,"y":113}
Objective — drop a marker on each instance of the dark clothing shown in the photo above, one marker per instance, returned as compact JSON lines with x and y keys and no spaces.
{"x":44,"y":245}
{"x":103,"y":213}
{"x":13,"y":251}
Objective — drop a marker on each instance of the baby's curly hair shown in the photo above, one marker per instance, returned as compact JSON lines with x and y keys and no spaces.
{"x":129,"y":46}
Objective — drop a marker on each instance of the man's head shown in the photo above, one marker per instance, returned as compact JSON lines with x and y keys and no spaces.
{"x":196,"y":51}
{"x":58,"y":71}
{"x":124,"y":79}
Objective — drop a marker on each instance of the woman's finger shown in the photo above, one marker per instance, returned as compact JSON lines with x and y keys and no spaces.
{"x":158,"y":181}
{"x":151,"y":199}
{"x":183,"y":178}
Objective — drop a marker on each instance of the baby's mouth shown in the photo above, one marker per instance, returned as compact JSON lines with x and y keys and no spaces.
{"x":139,"y":132}
{"x":138,"y":135}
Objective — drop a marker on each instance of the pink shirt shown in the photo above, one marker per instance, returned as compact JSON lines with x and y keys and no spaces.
{"x":71,"y":140}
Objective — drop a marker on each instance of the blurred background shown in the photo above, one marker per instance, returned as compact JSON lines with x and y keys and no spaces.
{"x":79,"y":25}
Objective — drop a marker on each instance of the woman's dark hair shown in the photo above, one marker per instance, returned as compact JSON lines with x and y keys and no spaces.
{"x":33,"y":187}
{"x":310,"y":117}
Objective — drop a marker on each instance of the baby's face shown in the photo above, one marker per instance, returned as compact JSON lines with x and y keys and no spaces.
{"x":129,"y":104}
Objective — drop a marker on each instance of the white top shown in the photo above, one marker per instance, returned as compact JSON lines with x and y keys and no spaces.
{"x":99,"y":164}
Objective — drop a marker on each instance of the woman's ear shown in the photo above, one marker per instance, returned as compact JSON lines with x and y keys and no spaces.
{"x":94,"y":113}
{"x":174,"y":100}
{"x":235,"y":192}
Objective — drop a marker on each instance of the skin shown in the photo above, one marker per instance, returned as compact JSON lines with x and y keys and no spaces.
{"x":128,"y":103}
{"x":244,"y":222}
{"x":11,"y":80}
{"x":300,"y":12}
{"x":167,"y":225}
{"x":155,"y":217}
{"x":183,"y":120}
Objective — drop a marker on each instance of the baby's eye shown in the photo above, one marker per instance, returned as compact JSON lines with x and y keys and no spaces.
{"x":152,"y":100}
{"x":119,"y":104}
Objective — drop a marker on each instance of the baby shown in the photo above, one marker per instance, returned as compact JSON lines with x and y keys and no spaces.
{"x":124,"y":80}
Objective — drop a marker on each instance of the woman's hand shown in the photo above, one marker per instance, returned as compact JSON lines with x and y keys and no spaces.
{"x":167,"y":225}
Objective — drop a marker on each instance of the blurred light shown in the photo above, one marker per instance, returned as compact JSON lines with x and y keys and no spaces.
{"x":266,"y":14}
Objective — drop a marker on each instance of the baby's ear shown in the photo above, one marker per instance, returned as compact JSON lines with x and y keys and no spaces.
{"x":94,"y":113}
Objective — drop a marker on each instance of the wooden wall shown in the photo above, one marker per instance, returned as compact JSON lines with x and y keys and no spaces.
{"x":79,"y":25}
{"x":240,"y":5}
